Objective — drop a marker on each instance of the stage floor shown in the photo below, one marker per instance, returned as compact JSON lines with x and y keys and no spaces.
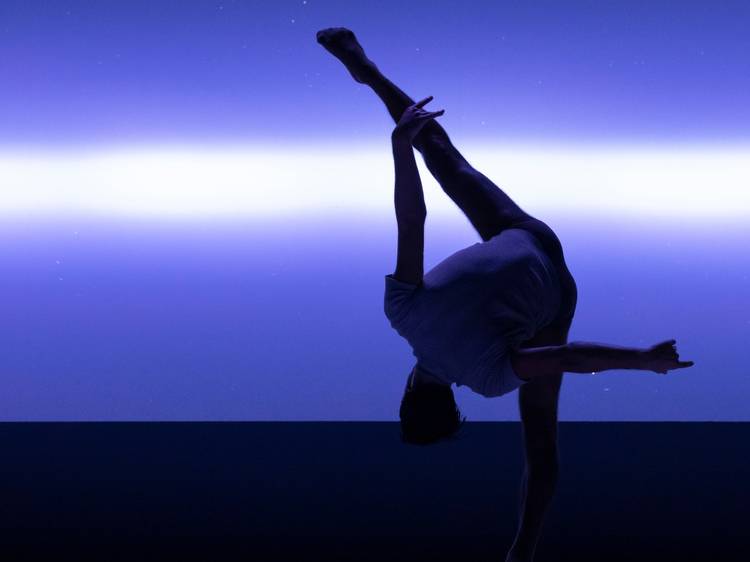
{"x":353,"y":491}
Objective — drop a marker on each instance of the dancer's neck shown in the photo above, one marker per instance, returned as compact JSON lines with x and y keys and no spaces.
{"x":423,"y":377}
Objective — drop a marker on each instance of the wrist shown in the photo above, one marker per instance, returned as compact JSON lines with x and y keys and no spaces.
{"x":399,"y":136}
{"x":639,"y":358}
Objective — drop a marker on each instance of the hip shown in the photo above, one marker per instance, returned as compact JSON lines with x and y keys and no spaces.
{"x":552,"y":246}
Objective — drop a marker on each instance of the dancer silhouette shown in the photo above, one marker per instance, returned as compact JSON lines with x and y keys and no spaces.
{"x":494,"y":316}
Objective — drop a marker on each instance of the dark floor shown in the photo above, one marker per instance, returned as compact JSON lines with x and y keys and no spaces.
{"x":353,"y":491}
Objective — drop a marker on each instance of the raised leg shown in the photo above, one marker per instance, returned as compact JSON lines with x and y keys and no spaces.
{"x":489,"y":209}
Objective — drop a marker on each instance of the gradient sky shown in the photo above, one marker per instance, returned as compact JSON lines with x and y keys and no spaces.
{"x":85,"y":71}
{"x":196,"y":208}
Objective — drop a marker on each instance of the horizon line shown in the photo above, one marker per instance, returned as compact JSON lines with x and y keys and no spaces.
{"x":181,"y":181}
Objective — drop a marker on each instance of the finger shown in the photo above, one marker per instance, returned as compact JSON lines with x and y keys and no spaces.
{"x":430,"y":114}
{"x":684,"y":364}
{"x":423,"y":102}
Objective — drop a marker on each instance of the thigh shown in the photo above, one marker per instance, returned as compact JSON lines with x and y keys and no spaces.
{"x":489,"y":209}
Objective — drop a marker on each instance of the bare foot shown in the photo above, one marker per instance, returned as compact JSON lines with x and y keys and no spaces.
{"x":343,"y":45}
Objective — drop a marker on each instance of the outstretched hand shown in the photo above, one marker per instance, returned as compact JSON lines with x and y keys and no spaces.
{"x":413,"y":119}
{"x":663,"y":357}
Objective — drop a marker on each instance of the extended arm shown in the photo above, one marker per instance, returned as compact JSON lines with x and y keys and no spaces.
{"x":584,"y":357}
{"x":543,"y":367}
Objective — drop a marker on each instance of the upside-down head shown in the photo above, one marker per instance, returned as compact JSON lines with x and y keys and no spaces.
{"x":428,"y":413}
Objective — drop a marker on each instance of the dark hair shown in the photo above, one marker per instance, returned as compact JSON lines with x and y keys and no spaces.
{"x":429,"y":414}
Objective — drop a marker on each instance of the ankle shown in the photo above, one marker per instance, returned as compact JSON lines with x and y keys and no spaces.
{"x":368,"y":73}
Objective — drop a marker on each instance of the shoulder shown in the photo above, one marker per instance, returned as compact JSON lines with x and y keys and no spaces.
{"x":393,"y":281}
{"x":399,"y":297}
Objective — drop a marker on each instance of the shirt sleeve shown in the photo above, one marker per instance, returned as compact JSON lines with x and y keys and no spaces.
{"x":505,"y":379}
{"x":511,"y":380}
{"x":399,"y":299}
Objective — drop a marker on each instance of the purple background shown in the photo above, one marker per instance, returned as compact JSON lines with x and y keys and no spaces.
{"x":281,"y":318}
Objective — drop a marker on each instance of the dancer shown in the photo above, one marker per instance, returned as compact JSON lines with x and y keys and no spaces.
{"x":494,"y":316}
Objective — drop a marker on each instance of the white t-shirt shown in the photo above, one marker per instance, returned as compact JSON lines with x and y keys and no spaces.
{"x":474,"y":307}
